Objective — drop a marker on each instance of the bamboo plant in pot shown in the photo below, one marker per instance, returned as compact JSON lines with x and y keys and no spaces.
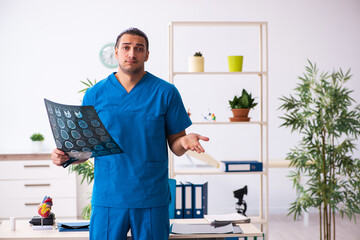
{"x":326,"y":174}
{"x":240,"y":106}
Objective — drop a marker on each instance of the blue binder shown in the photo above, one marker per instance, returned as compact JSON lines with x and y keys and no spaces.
{"x":188,"y":201}
{"x":200,"y":200}
{"x":172,"y":185}
{"x":179,"y":198}
{"x":241,"y":166}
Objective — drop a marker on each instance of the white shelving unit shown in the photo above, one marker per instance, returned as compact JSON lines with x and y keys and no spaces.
{"x":261,"y":73}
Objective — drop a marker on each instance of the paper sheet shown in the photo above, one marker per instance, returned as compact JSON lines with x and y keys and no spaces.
{"x":179,"y":228}
{"x":231,"y":217}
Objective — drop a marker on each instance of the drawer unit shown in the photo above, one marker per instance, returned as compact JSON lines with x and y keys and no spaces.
{"x":22,"y":189}
{"x":40,"y":169}
{"x":24,"y":183}
{"x":27,"y":208}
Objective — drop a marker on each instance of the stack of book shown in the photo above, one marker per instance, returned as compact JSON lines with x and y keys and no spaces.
{"x":191,"y":200}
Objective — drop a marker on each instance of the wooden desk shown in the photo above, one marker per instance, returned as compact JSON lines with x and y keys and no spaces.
{"x":24,"y":231}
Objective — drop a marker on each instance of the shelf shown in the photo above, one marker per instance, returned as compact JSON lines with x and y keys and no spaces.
{"x":257,"y":220}
{"x":258,"y":76}
{"x":208,"y":171}
{"x":238,"y":123}
{"x":219,"y":73}
{"x":214,"y":24}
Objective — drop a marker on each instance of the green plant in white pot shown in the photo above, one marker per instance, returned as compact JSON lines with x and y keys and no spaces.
{"x":326,"y":175}
{"x":37,"y":142}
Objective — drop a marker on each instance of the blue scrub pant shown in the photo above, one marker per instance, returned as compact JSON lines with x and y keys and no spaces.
{"x":114,"y":223}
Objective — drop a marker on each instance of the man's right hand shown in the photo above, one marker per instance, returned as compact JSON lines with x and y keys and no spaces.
{"x":58,"y":157}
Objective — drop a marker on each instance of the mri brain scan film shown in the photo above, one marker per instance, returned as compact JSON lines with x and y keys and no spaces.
{"x":79,"y":132}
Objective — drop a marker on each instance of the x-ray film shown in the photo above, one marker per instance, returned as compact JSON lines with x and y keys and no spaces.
{"x":79,"y":132}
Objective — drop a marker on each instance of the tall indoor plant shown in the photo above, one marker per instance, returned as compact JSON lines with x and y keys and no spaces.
{"x":85,"y":169}
{"x":326,"y":175}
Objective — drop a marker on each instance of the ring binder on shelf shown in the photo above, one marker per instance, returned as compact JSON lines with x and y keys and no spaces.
{"x":200,"y":199}
{"x":188,"y":201}
{"x":179,"y":198}
{"x":241,"y":166}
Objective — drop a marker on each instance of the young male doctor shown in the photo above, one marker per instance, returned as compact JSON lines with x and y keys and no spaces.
{"x":143,"y":114}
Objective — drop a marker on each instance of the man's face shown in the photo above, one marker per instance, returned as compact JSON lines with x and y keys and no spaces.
{"x":131,"y":53}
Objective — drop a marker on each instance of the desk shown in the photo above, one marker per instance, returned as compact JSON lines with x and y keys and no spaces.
{"x":24,"y":232}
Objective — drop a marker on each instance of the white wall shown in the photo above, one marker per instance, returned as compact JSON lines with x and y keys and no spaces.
{"x":47,"y":47}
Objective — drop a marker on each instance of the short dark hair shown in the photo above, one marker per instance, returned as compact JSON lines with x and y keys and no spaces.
{"x":133,"y":31}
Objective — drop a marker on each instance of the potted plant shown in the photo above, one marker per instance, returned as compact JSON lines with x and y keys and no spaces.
{"x":37,"y":140}
{"x":240,"y":106}
{"x":85,"y":169}
{"x":196,"y":63}
{"x":323,"y":112}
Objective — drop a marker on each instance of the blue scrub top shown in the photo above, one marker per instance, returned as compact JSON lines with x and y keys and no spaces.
{"x":139,"y":122}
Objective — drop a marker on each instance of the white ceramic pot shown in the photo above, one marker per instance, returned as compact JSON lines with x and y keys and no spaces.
{"x":37,"y":147}
{"x":196,"y":64}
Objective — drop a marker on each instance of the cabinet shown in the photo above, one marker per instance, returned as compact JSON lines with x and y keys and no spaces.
{"x":225,"y":38}
{"x":23,"y":184}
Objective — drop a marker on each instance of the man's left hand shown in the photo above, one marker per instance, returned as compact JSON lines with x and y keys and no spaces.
{"x":191,"y":142}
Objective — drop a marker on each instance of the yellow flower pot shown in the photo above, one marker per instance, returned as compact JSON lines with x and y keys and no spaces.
{"x":235,"y":63}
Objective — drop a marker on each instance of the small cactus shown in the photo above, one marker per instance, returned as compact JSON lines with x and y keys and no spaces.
{"x":198,"y":54}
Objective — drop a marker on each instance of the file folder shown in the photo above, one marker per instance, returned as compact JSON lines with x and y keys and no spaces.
{"x":188,"y":201}
{"x":241,"y":166}
{"x":73,"y":226}
{"x":172,"y":185}
{"x":200,"y":192}
{"x":179,"y":213}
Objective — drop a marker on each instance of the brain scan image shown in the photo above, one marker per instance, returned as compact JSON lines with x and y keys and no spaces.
{"x":57,"y":112}
{"x":110,"y":145}
{"x":98,"y":147}
{"x":78,"y":114}
{"x":56,"y":132}
{"x":58,"y":144}
{"x":69,"y":145}
{"x":80,"y":143}
{"x":105,"y":139}
{"x":85,"y":149}
{"x":83,"y":124}
{"x":50,"y":109}
{"x":61,"y":123}
{"x":67,"y":113}
{"x":95,"y":123}
{"x":71,"y":124}
{"x":75,"y":134}
{"x":93,"y":141}
{"x":88,"y":133}
{"x":79,"y":132}
{"x":52,"y":121}
{"x":64,"y":134}
{"x":100,"y":131}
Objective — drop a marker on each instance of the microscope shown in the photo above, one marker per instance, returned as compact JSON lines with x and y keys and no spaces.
{"x":241,"y":204}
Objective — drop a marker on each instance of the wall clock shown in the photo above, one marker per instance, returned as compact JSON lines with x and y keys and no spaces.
{"x":107,"y":56}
